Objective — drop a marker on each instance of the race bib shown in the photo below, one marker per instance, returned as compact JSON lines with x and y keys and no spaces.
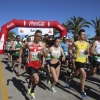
{"x":8,"y":47}
{"x":56,"y":55}
{"x":82,"y":53}
{"x":34,"y":56}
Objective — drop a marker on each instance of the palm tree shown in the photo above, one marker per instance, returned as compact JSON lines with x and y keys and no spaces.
{"x":55,"y":31}
{"x":75,"y":24}
{"x":11,"y":35}
{"x":96,"y":24}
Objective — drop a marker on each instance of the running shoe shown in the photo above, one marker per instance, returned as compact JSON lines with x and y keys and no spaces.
{"x":42,"y":72}
{"x":8,"y":63}
{"x":24,"y":68}
{"x":53,"y":90}
{"x":12,"y":69}
{"x":32,"y":96}
{"x":84,"y":94}
{"x":48,"y":82}
{"x":18,"y":73}
{"x":67,"y":83}
{"x":28,"y":91}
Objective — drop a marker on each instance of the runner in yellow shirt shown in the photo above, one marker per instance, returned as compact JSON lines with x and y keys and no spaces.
{"x":80,"y":56}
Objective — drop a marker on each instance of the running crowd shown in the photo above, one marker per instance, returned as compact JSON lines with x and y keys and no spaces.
{"x":50,"y":53}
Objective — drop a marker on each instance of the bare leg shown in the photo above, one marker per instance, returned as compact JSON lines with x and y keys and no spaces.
{"x":83,"y":74}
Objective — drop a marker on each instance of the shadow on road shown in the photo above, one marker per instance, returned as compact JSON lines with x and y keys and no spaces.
{"x":19,"y":85}
{"x":64,"y":89}
{"x":43,"y":86}
{"x":93,"y":80}
{"x":75,"y":86}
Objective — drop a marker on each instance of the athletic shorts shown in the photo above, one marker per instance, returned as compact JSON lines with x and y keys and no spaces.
{"x":47,"y":62}
{"x":96,"y":63}
{"x":79,"y":65}
{"x":55,"y":65}
{"x":14,"y":57}
{"x":8,"y":51}
{"x":32,"y":70}
{"x":67,"y":57}
{"x":91,"y":60}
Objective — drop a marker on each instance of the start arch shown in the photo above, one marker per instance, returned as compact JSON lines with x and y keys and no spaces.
{"x":28,"y":23}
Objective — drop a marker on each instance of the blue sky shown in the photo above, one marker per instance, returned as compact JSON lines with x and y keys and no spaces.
{"x":59,"y":10}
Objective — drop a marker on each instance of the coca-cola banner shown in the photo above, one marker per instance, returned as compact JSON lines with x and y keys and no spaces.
{"x":30,"y":26}
{"x":31,"y":31}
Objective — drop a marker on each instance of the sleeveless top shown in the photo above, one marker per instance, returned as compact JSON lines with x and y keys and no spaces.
{"x":97,"y":50}
{"x":48,"y":56}
{"x":81,"y":51}
{"x":55,"y":53}
{"x":34,"y":59}
{"x":17,"y":46}
{"x":8,"y":45}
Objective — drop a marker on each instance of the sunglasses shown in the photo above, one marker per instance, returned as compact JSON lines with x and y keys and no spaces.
{"x":17,"y":38}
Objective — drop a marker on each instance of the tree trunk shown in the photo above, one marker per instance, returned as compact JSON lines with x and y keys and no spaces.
{"x":75,"y":37}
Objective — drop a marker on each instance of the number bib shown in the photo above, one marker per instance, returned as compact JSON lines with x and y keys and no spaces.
{"x":8,"y":47}
{"x":34,"y":56}
{"x":82,"y":53}
{"x":56,"y":55}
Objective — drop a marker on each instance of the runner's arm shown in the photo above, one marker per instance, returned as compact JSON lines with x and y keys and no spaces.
{"x":4,"y":46}
{"x":71,"y":49}
{"x":62,"y":52}
{"x":22,"y":48}
{"x":43,"y":52}
{"x":13,"y":46}
{"x":92,"y":48}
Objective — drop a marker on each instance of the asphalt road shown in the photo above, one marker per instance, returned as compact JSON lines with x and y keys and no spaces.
{"x":14,"y":88}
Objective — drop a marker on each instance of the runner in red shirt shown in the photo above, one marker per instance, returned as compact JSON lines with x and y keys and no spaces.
{"x":36,"y":49}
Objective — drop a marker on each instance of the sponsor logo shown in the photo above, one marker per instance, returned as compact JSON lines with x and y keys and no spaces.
{"x":21,"y":31}
{"x":40,"y":23}
{"x":49,"y":31}
{"x":10,"y":25}
{"x":34,"y":30}
{"x":48,"y":23}
{"x":60,"y":27}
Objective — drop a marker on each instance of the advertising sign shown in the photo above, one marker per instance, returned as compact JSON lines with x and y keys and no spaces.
{"x":31,"y":31}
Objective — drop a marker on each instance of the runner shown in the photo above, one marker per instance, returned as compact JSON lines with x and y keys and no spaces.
{"x":64,"y":46}
{"x":15,"y":49}
{"x":35,"y":50}
{"x":55,"y":63}
{"x":49,"y":44}
{"x":81,"y":48}
{"x":24,"y":56}
{"x":8,"y":49}
{"x":95,"y":52}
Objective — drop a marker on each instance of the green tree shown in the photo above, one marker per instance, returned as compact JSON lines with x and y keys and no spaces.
{"x":96,"y":24}
{"x":55,"y":31}
{"x":11,"y":35}
{"x":74,"y":24}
